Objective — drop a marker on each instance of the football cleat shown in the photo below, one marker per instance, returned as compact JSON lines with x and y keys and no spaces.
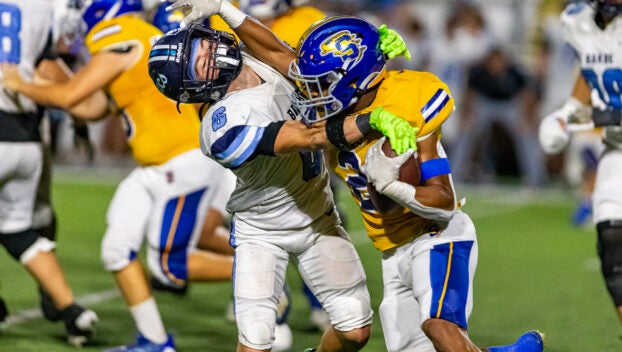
{"x":145,"y":345}
{"x":79,"y":324}
{"x":531,"y":341}
{"x":4,"y":311}
{"x":582,"y":214}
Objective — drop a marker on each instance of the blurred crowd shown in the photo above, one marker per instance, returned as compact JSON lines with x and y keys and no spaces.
{"x":505,"y":62}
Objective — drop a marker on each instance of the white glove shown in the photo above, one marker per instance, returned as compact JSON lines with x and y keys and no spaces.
{"x":553,"y":134}
{"x":597,"y":102}
{"x":206,"y":8}
{"x":380,"y":169}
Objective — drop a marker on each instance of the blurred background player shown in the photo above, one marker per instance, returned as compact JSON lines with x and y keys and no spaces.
{"x":173,"y":194}
{"x":29,"y":44}
{"x":594,"y":31}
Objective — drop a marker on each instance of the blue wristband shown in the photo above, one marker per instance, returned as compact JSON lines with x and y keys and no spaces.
{"x":434,"y":167}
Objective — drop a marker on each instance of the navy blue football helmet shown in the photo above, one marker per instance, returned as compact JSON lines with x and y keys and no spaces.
{"x":172,"y":64}
{"x":338,"y":60}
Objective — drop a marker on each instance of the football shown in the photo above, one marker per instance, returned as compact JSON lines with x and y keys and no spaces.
{"x":409,"y":173}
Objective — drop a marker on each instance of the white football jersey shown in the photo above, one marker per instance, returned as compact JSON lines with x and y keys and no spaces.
{"x":272,"y":193}
{"x":26,"y":26}
{"x":600,"y":56}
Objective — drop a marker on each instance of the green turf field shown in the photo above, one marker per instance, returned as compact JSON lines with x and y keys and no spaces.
{"x":535,"y":271}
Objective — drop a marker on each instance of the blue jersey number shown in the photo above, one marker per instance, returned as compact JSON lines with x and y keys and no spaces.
{"x":311,"y":164}
{"x":357,"y":181}
{"x":9,"y":33}
{"x":612,"y":85}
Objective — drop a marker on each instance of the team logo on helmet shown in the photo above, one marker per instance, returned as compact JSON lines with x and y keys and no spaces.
{"x":345,"y":45}
{"x":161,"y":81}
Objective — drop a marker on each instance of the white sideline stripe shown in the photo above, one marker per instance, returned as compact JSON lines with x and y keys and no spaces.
{"x":27,"y":315}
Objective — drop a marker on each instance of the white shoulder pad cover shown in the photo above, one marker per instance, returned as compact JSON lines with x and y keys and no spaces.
{"x":221,"y":117}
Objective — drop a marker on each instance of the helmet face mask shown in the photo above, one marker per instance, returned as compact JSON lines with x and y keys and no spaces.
{"x":338,"y":60}
{"x":173,"y":58}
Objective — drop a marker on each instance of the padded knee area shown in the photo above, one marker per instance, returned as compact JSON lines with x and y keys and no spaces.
{"x":350,"y":312}
{"x":610,"y":253}
{"x":257,"y":334}
{"x":24,"y":245}
{"x":115,"y":257}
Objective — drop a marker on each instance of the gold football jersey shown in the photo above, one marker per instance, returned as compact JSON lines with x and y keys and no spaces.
{"x":156,"y":132}
{"x":423,"y":100}
{"x":289,"y":27}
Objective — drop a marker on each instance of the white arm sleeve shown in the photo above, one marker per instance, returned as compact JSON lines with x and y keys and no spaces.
{"x":404,"y":194}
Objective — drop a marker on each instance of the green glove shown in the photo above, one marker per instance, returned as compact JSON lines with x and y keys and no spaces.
{"x":391,"y":43}
{"x":401,"y":134}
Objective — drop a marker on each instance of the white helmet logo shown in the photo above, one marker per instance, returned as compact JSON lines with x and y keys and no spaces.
{"x":161,"y":81}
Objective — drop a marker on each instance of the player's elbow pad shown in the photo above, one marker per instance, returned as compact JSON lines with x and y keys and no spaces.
{"x":552,"y":135}
{"x":404,"y":194}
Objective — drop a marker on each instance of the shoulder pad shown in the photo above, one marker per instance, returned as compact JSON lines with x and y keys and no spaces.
{"x":576,"y":12}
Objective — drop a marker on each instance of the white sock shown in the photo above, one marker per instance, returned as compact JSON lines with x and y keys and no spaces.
{"x":148,"y":320}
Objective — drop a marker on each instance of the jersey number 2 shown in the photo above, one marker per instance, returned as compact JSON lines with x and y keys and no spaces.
{"x":10,"y":25}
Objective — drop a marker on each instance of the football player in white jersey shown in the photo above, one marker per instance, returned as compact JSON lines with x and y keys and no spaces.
{"x":27,"y":42}
{"x":594,"y":30}
{"x":282,"y":206}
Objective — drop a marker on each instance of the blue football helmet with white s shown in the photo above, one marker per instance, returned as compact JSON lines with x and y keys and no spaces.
{"x":172,"y":64}
{"x":338,"y":60}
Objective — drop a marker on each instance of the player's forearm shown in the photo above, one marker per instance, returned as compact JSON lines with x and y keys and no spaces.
{"x":295,"y":136}
{"x":94,"y":107}
{"x":436,"y":196}
{"x":581,"y":91}
{"x":265,"y":45}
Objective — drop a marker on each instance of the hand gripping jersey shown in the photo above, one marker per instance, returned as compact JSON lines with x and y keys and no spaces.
{"x":600,"y":55}
{"x":289,"y":27}
{"x":272,"y":193}
{"x":423,"y":100}
{"x":156,"y":132}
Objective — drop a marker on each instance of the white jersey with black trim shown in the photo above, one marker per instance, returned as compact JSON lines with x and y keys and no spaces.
{"x":25,"y":27}
{"x":272,"y":193}
{"x":600,"y":56}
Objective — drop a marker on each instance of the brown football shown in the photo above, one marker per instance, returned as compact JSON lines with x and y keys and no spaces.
{"x":409,"y":173}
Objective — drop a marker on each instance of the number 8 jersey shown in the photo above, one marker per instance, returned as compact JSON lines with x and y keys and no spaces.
{"x":26,"y":38}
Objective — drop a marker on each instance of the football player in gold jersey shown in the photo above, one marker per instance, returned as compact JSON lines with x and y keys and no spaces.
{"x":173,"y":192}
{"x":429,"y":246}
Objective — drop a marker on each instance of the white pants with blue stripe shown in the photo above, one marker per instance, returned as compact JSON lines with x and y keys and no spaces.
{"x":430,"y":277}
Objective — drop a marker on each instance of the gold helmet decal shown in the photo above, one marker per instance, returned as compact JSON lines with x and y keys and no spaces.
{"x":345,"y":45}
